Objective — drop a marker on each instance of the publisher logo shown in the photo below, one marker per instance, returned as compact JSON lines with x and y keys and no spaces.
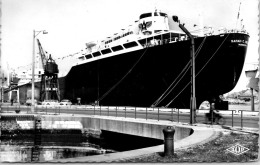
{"x":237,"y":149}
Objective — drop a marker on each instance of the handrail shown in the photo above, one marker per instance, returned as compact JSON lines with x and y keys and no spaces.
{"x":157,"y":113}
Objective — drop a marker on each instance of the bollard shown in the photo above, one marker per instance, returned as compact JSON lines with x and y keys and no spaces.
{"x":168,"y":140}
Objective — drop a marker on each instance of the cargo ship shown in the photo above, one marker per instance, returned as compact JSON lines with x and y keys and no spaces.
{"x":148,"y":64}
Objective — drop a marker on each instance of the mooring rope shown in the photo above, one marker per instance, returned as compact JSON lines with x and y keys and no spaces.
{"x":114,"y":86}
{"x":198,"y":72}
{"x":185,"y":69}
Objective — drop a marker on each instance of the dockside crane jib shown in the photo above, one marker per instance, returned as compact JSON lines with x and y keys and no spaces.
{"x":49,"y":79}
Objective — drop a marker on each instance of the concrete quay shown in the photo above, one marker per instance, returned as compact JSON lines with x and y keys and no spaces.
{"x":137,"y":127}
{"x":199,"y":136}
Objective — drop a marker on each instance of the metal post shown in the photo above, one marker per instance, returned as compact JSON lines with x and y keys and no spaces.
{"x":94,"y":109}
{"x":192,"y":57}
{"x":33,"y":60}
{"x":2,"y":88}
{"x":232,"y":118}
{"x":108,"y":111}
{"x":178,"y":115}
{"x":252,"y":100}
{"x":146,"y":113}
{"x":172,"y":115}
{"x":100,"y":110}
{"x":211,"y":114}
{"x":46,"y":110}
{"x":193,"y":98}
{"x":33,"y":66}
{"x":125,"y":112}
{"x":241,"y":118}
{"x":116,"y":111}
{"x":2,"y":93}
{"x":135,"y":112}
{"x":158,"y":113}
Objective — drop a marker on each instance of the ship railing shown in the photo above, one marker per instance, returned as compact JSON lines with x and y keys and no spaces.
{"x":234,"y":118}
{"x":156,"y":39}
{"x":162,"y":39}
{"x":227,"y":31}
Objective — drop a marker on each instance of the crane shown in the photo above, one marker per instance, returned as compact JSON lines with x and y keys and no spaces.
{"x":49,"y":79}
{"x":42,"y":54}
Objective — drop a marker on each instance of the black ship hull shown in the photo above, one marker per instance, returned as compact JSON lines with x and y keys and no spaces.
{"x":139,"y":78}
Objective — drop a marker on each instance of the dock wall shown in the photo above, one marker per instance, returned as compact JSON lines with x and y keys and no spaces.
{"x":131,"y":127}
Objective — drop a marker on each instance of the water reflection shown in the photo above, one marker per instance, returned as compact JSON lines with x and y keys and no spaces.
{"x":11,"y":153}
{"x":41,"y":145}
{"x":25,"y":148}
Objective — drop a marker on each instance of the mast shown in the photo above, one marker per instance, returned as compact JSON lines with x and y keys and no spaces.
{"x":238,"y":14}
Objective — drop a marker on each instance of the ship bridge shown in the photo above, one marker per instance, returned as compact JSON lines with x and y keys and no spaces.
{"x":153,"y":22}
{"x":148,"y":24}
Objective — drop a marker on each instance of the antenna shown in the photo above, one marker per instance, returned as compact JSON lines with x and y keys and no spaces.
{"x":238,"y":14}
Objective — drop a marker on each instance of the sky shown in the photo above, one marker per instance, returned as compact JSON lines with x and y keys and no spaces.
{"x":72,"y":23}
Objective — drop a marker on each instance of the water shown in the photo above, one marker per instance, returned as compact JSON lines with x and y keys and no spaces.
{"x":13,"y":153}
{"x":25,"y":146}
{"x":20,"y":147}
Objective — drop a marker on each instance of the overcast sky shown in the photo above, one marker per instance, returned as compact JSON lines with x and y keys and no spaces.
{"x":72,"y":23}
